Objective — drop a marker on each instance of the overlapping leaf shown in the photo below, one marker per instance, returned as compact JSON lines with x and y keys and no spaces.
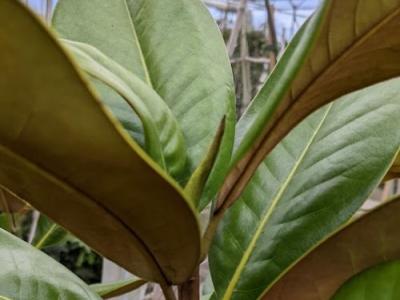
{"x":365,"y":242}
{"x":177,"y":49}
{"x":310,"y":184}
{"x":345,"y":46}
{"x":27,"y":274}
{"x":66,"y":155}
{"x":163,"y":138}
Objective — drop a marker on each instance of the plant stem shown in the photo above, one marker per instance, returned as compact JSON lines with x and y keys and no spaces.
{"x":272,"y":30}
{"x":190,"y":290}
{"x":210,"y":232}
{"x":168,"y":291}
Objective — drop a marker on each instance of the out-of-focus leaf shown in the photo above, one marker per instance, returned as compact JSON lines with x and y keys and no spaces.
{"x":312,"y":182}
{"x":365,"y":242}
{"x":63,"y":152}
{"x":27,"y":274}
{"x":113,"y":289}
{"x":380,"y":282}
{"x":156,"y":116}
{"x":5,"y":222}
{"x":48,"y":233}
{"x":345,"y":46}
{"x":177,"y":49}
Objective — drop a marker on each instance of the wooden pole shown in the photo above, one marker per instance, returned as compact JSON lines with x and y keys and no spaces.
{"x":245,"y":65}
{"x":233,"y":38}
{"x":47,"y":13}
{"x":272,"y":33}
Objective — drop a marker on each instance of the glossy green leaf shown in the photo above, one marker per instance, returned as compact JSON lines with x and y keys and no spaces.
{"x":174,"y":46}
{"x":26,"y":274}
{"x":357,"y":246}
{"x":63,"y":152}
{"x":380,"y":282}
{"x":113,"y":289}
{"x":345,"y":46}
{"x":310,"y":184}
{"x":153,"y":111}
{"x":48,"y":233}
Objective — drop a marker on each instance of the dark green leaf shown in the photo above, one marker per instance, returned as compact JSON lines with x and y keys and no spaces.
{"x":309,"y":185}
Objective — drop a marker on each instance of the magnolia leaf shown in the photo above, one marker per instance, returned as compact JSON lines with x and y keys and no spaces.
{"x":26,"y":273}
{"x":177,"y":49}
{"x":312,"y":182}
{"x":365,"y":242}
{"x":380,"y":282}
{"x":63,"y":152}
{"x":345,"y":46}
{"x":153,"y":111}
{"x":113,"y":289}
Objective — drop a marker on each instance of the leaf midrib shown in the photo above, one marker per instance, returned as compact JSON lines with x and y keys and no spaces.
{"x":138,"y":45}
{"x":253,"y":243}
{"x":40,"y":243}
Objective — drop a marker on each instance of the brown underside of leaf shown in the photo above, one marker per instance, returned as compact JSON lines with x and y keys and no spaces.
{"x":358,"y":46}
{"x":63,"y":152}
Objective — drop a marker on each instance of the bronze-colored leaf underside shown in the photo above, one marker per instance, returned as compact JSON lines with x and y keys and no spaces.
{"x":63,"y":152}
{"x":358,"y":45}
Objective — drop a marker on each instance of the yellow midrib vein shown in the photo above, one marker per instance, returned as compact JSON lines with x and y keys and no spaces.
{"x":141,"y":55}
{"x":46,"y":236}
{"x":246,"y":256}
